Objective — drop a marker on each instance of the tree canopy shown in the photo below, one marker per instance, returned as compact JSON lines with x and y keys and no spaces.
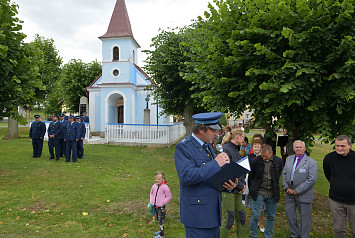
{"x":76,"y":77}
{"x":19,"y":64}
{"x":289,"y":60}
{"x":166,"y":67}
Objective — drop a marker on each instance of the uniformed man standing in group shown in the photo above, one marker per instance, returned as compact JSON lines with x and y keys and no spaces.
{"x":71,"y":138}
{"x":37,"y":132}
{"x":84,"y":117}
{"x":55,"y":135}
{"x":195,"y":161}
{"x":65,"y":116}
{"x":64,"y":128}
{"x":81,"y":130}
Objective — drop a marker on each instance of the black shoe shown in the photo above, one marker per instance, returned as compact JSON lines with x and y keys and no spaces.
{"x":57,"y":159}
{"x":50,"y":158}
{"x":34,"y":156}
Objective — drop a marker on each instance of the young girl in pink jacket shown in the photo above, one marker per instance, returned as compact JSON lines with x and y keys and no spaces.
{"x":160,"y":195}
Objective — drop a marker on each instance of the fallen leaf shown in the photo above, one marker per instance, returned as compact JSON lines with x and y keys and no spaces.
{"x":108,"y":200}
{"x":85,"y":213}
{"x":33,"y":212}
{"x":1,"y":222}
{"x":18,"y":217}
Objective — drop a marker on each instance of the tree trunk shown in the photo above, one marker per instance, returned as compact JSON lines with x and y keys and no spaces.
{"x":12,"y":129}
{"x":188,"y":113}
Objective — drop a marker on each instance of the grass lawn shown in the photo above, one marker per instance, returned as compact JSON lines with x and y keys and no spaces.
{"x":106,"y":194}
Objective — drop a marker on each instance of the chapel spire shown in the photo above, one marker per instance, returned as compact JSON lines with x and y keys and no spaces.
{"x":119,"y":24}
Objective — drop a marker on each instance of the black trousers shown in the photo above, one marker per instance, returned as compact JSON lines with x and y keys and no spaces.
{"x":62,"y":147}
{"x":57,"y":145}
{"x":37,"y":145}
{"x":80,"y":149}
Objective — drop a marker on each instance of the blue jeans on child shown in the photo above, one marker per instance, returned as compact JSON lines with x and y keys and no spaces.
{"x":270,"y":211}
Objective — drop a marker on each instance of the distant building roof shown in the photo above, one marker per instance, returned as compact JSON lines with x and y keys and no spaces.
{"x":119,"y":25}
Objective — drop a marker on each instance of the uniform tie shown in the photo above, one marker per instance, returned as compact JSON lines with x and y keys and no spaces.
{"x":209,"y":154}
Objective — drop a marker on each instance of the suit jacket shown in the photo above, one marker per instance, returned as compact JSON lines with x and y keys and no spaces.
{"x":304,"y":178}
{"x":72,"y":132}
{"x":200,"y":205}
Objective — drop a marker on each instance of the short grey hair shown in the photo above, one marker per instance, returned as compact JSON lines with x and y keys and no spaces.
{"x":344,"y":137}
{"x":299,"y":141}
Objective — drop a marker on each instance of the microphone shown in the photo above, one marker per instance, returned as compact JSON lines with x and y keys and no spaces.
{"x":219,"y":148}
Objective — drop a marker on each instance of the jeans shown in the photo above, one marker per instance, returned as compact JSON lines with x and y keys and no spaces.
{"x":256,"y":209}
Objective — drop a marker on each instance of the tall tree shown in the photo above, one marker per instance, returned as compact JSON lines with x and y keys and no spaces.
{"x":290,"y":60}
{"x":50,"y":70}
{"x":19,"y":66}
{"x":76,"y":77}
{"x":166,"y":67}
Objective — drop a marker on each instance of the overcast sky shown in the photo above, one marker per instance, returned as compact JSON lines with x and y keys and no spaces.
{"x":75,"y":25}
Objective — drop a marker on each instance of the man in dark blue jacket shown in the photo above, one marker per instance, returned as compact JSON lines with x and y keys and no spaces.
{"x":195,"y":161}
{"x":37,"y":132}
{"x":84,"y":117}
{"x":82,"y":131}
{"x":71,"y":137}
{"x":64,"y":130}
{"x":55,"y":135}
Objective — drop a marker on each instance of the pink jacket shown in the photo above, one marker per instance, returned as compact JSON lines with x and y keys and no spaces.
{"x":160,"y":195}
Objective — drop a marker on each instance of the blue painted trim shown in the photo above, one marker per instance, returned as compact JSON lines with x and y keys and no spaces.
{"x":118,"y":124}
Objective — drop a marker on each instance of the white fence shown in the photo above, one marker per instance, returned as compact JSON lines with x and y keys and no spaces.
{"x":144,"y":134}
{"x":87,"y":127}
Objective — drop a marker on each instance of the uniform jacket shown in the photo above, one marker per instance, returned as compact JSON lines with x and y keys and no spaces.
{"x":304,"y":178}
{"x":160,"y":195}
{"x":256,"y":176}
{"x":81,"y":129}
{"x":64,"y":127}
{"x":37,"y":130}
{"x":84,"y":119}
{"x":56,"y":129}
{"x":200,"y":205}
{"x":71,"y":133}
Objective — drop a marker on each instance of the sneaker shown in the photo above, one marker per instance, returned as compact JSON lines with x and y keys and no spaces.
{"x":157,"y":233}
{"x":158,"y":236}
{"x":261,"y":229}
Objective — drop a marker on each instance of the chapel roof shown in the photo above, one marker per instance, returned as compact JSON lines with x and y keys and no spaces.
{"x":119,"y":25}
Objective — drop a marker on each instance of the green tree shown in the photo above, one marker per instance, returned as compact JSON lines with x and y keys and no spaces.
{"x":76,"y":77}
{"x":290,"y":60}
{"x":49,"y":71}
{"x":19,"y":67}
{"x":166,"y":67}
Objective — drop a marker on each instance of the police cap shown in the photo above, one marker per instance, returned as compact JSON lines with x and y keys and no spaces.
{"x":209,"y":119}
{"x":78,"y":117}
{"x":55,"y":115}
{"x":37,"y":116}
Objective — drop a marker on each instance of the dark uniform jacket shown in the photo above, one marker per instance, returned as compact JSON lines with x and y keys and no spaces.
{"x":232,"y":150}
{"x":81,"y":129}
{"x":71,"y":133}
{"x":37,"y":130}
{"x":84,"y":119}
{"x":200,"y":205}
{"x":256,"y":176}
{"x":56,"y":129}
{"x":64,"y":127}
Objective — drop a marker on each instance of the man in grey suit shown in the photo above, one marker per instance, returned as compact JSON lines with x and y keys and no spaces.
{"x":299,"y":176}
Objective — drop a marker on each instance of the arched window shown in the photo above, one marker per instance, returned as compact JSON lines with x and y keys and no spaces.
{"x":134,"y":57}
{"x":116,"y":53}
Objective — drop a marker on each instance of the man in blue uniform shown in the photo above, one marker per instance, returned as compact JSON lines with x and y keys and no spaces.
{"x":55,"y":135}
{"x":37,"y":131}
{"x":84,"y":118}
{"x":65,"y":116}
{"x":64,"y":130}
{"x":195,"y":161}
{"x":71,"y":137}
{"x":81,"y":130}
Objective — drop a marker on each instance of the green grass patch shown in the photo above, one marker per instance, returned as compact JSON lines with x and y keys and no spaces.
{"x":47,"y":198}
